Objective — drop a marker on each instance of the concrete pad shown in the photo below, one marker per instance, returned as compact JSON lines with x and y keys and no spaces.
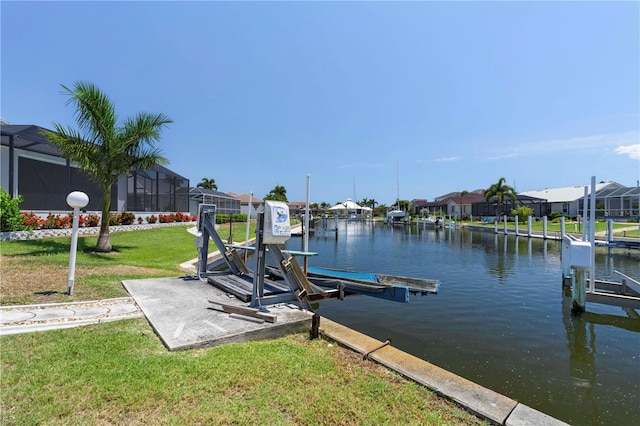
{"x":49,"y":314}
{"x":475,"y":398}
{"x":15,"y":316}
{"x":179,"y":311}
{"x":523,"y":415}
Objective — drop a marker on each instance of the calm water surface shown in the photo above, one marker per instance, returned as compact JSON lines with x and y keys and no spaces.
{"x":500,"y":318}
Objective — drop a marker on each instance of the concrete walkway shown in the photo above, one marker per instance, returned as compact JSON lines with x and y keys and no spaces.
{"x":30,"y":318}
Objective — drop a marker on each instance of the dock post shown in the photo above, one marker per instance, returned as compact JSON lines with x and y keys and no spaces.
{"x":561,"y":227}
{"x":565,"y":260}
{"x":529,"y":219}
{"x":544,"y":227}
{"x":578,"y":290}
{"x":495,"y":226}
{"x":517,"y":223}
{"x":609,"y":230}
{"x":505,"y":224}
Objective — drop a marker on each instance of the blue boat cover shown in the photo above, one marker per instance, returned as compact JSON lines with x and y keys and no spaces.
{"x":349,"y":275}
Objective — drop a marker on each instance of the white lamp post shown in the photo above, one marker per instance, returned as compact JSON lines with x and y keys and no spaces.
{"x":77,"y":200}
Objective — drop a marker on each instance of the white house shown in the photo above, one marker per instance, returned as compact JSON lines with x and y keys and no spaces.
{"x":569,"y":199}
{"x":244,"y":203}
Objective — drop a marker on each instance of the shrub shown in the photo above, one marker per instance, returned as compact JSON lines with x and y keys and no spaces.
{"x":163,"y":218}
{"x":31,"y":221}
{"x":180,"y":217}
{"x":140,"y":220}
{"x":10,"y":214}
{"x":152,"y":219}
{"x":554,"y":215}
{"x":239,"y":217}
{"x":82,"y":220}
{"x":92,"y":220}
{"x":127,"y":218}
{"x":113,"y":219}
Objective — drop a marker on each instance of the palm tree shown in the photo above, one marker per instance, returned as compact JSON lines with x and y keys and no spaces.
{"x":500,"y":191}
{"x":208,"y":184}
{"x":104,"y":148}
{"x":279,"y":193}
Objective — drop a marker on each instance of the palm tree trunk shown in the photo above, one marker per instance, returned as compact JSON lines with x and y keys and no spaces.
{"x":104,"y":239}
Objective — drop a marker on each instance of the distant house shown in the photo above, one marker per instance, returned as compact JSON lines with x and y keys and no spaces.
{"x":35,"y":169}
{"x":454,"y":204}
{"x":568,"y":200}
{"x":296,"y":207}
{"x":461,"y":205}
{"x":482,"y":208}
{"x":244,"y":203}
{"x":225,"y":203}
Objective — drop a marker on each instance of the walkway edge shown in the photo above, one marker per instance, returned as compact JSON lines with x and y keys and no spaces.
{"x":477,"y":399}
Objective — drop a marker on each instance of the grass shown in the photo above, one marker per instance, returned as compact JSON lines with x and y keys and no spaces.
{"x":119,"y":372}
{"x":36,"y":271}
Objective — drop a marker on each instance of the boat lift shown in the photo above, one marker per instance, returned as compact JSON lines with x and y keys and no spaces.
{"x":287,"y":282}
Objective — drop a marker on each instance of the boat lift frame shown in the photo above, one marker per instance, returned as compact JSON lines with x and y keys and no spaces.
{"x":301,"y":289}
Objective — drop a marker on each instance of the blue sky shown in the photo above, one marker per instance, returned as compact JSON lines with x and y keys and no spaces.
{"x":372,"y":99}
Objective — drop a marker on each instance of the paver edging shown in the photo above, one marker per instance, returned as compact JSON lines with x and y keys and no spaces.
{"x":477,"y":399}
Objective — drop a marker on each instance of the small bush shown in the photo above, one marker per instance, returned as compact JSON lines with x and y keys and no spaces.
{"x":10,"y":214}
{"x":127,"y":218}
{"x":555,"y":215}
{"x":152,"y":219}
{"x":140,"y":220}
{"x":113,"y":219}
{"x":92,"y":220}
{"x":31,"y":221}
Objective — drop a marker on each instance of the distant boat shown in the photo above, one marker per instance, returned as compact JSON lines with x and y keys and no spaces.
{"x":423,"y":285}
{"x":394,"y":216}
{"x":431,"y":220}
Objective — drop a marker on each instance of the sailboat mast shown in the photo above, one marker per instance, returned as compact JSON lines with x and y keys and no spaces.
{"x":398,"y":184}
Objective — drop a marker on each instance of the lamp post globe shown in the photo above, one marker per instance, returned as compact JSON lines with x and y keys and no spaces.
{"x":77,"y":199}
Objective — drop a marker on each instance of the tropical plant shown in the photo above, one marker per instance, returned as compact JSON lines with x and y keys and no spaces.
{"x":104,"y":148}
{"x":500,"y":190}
{"x":208,"y":183}
{"x":522,"y":213}
{"x":10,"y":215}
{"x":279,"y":193}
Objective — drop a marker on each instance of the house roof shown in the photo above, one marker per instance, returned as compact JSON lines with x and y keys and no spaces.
{"x":470,"y":198}
{"x":349,"y":205}
{"x":29,"y":137}
{"x":244,"y":198}
{"x":197,"y":192}
{"x":567,"y":193}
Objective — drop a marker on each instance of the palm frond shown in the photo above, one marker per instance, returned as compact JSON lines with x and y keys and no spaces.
{"x":95,"y":113}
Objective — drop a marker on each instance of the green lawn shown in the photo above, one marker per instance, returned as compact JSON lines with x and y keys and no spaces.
{"x":120,"y":373}
{"x":35,"y":271}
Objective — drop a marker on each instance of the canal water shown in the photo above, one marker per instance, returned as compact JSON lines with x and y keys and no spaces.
{"x":500,"y":318}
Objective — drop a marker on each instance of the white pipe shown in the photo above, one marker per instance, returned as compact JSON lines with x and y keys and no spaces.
{"x":246,"y":235}
{"x":584,"y":213}
{"x":592,"y":236}
{"x":306,"y":217}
